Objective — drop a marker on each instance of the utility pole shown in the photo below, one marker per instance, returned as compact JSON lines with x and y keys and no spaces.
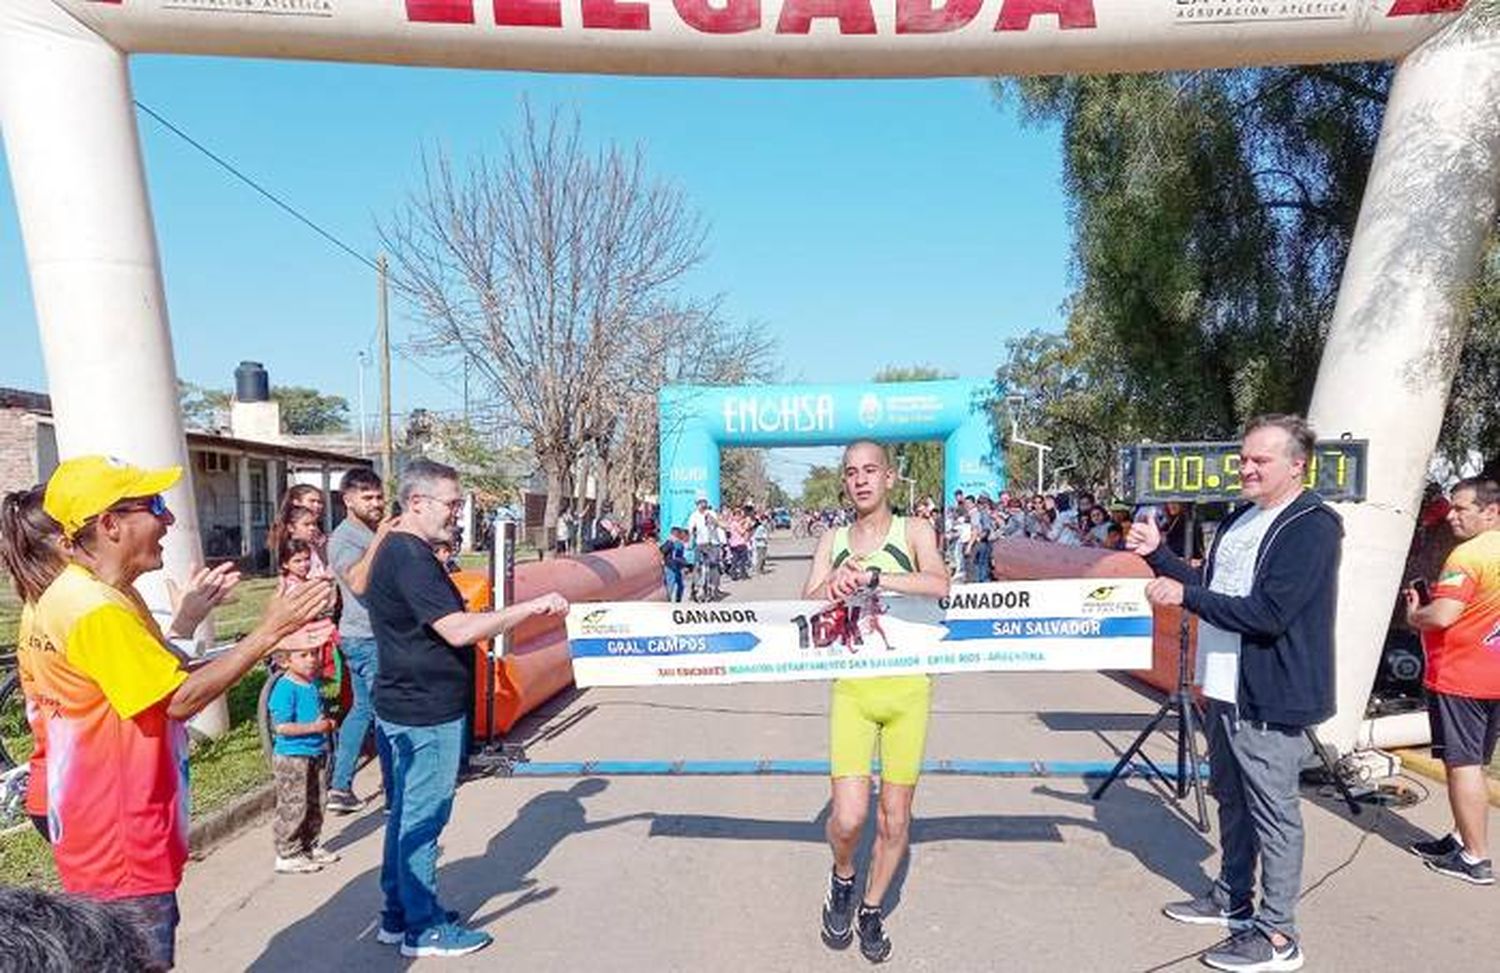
{"x":364,"y":444}
{"x":387,"y":459}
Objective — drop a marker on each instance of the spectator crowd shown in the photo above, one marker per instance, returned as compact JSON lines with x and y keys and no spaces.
{"x":972,"y":524}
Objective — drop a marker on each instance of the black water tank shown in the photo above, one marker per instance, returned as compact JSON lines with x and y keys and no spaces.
{"x":251,"y":383}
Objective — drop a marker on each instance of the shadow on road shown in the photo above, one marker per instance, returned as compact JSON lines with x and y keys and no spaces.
{"x":1145,"y":826}
{"x":813,"y":831}
{"x":1133,"y":821}
{"x":340,"y":934}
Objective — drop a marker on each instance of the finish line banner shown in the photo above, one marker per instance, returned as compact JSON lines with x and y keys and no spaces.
{"x":1058,"y":625}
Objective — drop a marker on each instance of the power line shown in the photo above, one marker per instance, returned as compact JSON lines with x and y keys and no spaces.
{"x":412,"y":360}
{"x":282,"y":204}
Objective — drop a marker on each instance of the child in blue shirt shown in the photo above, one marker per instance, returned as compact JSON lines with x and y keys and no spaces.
{"x":674,"y":560}
{"x":297,"y":762}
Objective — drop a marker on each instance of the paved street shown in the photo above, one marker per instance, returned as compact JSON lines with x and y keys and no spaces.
{"x":727,"y":873}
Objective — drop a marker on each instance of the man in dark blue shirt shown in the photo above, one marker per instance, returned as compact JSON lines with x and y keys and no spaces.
{"x":1265,"y":598}
{"x":423,"y":691}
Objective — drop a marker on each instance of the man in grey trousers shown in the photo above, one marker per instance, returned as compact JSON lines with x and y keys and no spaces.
{"x":1265,"y":598}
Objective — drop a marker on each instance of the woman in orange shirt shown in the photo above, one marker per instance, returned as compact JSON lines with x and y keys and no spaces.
{"x":29,"y":549}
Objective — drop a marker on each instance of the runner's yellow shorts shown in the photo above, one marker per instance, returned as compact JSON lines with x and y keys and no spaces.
{"x":890,"y":709}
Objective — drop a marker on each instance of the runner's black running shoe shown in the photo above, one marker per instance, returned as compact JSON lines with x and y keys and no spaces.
{"x":872,"y":939}
{"x":1455,"y":865}
{"x":838,"y":913}
{"x":1435,"y":849}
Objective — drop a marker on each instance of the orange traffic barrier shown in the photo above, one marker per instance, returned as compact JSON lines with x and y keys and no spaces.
{"x":538,"y":665}
{"x":1026,"y":560}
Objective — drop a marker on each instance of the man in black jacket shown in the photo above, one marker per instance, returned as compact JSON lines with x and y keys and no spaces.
{"x":1265,"y":599}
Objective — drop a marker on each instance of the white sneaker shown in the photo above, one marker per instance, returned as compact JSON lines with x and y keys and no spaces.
{"x":296,"y":865}
{"x":322,"y":856}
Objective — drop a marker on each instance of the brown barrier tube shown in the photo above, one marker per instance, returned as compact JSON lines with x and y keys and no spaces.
{"x":538,"y":665}
{"x":1026,"y":560}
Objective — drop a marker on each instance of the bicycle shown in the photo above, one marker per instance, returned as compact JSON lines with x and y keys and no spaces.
{"x":16,"y":746}
{"x":15,"y":732}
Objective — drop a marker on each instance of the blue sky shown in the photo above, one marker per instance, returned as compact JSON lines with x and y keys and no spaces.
{"x":864,"y":223}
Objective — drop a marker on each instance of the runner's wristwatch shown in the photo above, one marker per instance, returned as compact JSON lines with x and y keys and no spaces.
{"x":874,"y":578}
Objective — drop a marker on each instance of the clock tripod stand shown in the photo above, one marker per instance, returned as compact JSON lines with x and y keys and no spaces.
{"x":1180,"y":705}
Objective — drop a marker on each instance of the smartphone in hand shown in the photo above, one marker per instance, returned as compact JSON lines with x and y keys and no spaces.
{"x":1424,"y":593}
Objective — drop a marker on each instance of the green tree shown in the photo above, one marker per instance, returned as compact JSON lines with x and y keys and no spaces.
{"x":1473,"y":417}
{"x":822,"y":488}
{"x":1068,"y":402}
{"x":1212,"y":213}
{"x":308,"y":412}
{"x":304,"y":411}
{"x":474,"y":454}
{"x":920,"y":461}
{"x":202,"y":408}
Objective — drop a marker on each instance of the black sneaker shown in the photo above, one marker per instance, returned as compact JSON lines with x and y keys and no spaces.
{"x":343,"y":802}
{"x":838,"y":913}
{"x":872,"y":939}
{"x":1455,"y":865}
{"x":1435,"y":849}
{"x":1251,"y":951}
{"x":1207,"y":912}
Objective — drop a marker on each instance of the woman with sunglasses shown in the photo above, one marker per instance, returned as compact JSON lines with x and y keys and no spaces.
{"x":119,"y":695}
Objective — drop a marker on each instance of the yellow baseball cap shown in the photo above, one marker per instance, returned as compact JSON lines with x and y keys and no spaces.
{"x":83,"y":487}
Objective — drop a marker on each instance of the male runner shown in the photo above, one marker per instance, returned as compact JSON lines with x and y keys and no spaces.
{"x":879,"y":550}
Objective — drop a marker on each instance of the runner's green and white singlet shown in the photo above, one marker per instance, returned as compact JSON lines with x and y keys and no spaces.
{"x":893,"y":556}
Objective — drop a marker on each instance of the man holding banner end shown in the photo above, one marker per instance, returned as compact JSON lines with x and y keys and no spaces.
{"x":878,"y":551}
{"x":424,"y":689}
{"x":1266,"y":598}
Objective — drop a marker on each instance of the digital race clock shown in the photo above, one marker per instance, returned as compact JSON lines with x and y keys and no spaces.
{"x":1209,"y":472}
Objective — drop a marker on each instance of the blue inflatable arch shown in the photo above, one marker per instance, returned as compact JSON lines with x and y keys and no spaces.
{"x":697,"y":421}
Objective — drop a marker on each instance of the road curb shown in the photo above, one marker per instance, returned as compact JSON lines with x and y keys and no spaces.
{"x":1427,"y":766}
{"x":229,"y":821}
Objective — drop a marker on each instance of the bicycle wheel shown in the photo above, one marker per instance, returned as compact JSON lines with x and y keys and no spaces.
{"x":263,"y":714}
{"x":15,"y":733}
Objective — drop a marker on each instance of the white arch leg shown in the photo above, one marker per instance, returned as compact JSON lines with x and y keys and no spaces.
{"x":75,"y":164}
{"x":1400,"y":320}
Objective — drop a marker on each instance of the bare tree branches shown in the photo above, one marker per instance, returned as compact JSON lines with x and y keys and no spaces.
{"x":556,"y":270}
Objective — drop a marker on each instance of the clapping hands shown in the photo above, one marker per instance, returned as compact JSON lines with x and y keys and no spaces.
{"x":204,"y":591}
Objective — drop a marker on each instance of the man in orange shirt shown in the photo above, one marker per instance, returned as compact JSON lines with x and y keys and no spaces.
{"x":1461,"y":636}
{"x":115,"y":695}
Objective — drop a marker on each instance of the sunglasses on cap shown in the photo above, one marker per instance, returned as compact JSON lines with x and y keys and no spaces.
{"x":155,"y":505}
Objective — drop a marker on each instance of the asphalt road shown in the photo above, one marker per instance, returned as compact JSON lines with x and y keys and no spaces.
{"x":728,"y":873}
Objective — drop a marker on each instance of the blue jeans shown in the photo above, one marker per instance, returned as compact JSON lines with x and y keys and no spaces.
{"x":361,"y":658}
{"x":157,"y":916}
{"x":424,"y":774}
{"x":978,"y":568}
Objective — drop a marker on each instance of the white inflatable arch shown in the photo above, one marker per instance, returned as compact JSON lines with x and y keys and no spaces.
{"x":75,"y":162}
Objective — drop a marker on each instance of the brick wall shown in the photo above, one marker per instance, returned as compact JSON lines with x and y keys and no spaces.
{"x":17,"y":449}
